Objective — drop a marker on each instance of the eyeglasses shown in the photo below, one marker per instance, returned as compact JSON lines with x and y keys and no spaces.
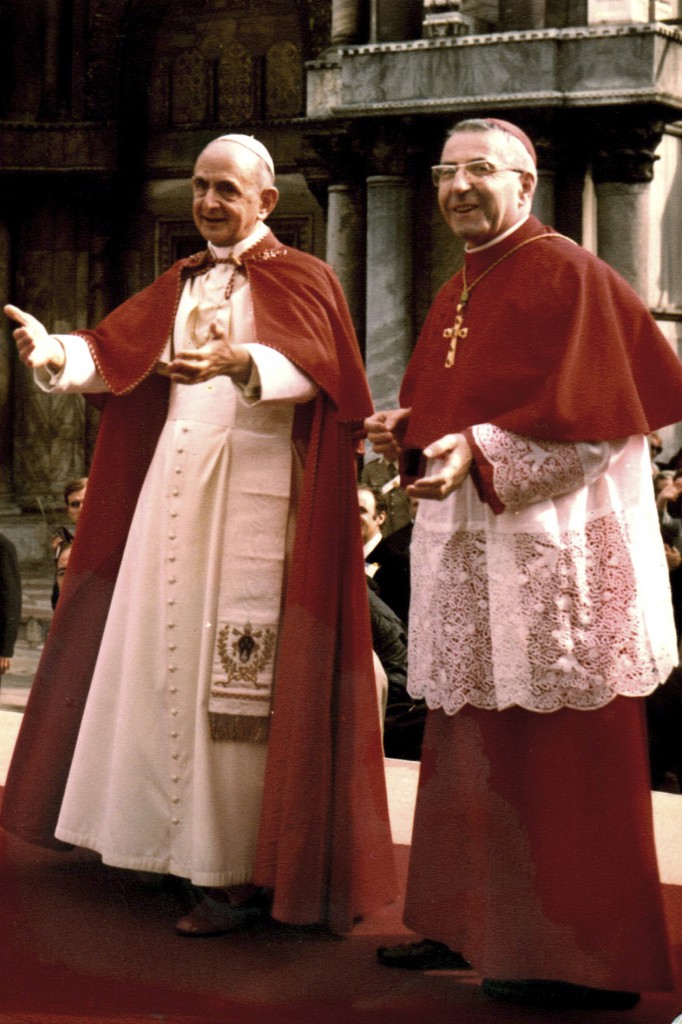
{"x":474,"y":170}
{"x":76,"y":503}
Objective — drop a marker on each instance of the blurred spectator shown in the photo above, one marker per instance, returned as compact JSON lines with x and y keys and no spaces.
{"x":61,"y":562}
{"x":383,"y":476}
{"x":387,"y":559}
{"x":62,"y":538}
{"x":664,"y":705}
{"x":74,"y":496}
{"x":10,"y":602}
{"x":668,"y":492}
{"x":655,"y":450}
{"x":675,"y":462}
{"x":404,"y":715}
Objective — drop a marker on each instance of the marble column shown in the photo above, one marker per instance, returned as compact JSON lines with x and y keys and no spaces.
{"x":622,"y":168}
{"x":349,"y":22}
{"x":623,"y":231}
{"x":391,"y":22}
{"x":389,"y":285}
{"x":346,"y":247}
{"x":6,"y":363}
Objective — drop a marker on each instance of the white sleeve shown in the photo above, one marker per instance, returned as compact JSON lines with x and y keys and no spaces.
{"x":274,"y":378}
{"x":78,"y":374}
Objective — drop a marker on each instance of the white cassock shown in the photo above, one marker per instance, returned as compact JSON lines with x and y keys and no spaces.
{"x":148,"y":788}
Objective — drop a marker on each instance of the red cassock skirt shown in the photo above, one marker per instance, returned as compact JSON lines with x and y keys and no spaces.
{"x":533,"y":851}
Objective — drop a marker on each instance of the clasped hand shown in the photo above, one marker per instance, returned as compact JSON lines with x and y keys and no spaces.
{"x":218,"y":356}
{"x":451,"y":454}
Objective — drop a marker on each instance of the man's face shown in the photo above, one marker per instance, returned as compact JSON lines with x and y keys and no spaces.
{"x":74,"y":504}
{"x":370,"y":520}
{"x":62,"y":563}
{"x":228,"y":196}
{"x":480,"y":210}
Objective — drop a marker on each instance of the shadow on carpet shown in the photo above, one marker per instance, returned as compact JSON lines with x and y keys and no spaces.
{"x":84,"y":942}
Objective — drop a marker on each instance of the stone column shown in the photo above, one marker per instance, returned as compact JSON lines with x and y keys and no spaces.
{"x":622,"y":167}
{"x":390,"y":327}
{"x":52,"y":56}
{"x":392,"y":22}
{"x":343,"y":154}
{"x":346,"y":247}
{"x":349,"y":22}
{"x":544,"y":200}
{"x":6,"y":362}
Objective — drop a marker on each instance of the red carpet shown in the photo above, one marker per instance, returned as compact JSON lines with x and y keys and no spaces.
{"x":82,"y":942}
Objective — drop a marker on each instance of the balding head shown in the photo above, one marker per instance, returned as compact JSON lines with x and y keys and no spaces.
{"x":232,"y":191}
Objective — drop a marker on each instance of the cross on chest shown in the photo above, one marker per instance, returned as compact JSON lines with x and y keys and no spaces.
{"x":454,"y":333}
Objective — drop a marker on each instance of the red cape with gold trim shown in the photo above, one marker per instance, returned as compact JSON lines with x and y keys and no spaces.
{"x":558,"y":347}
{"x":325,"y":844}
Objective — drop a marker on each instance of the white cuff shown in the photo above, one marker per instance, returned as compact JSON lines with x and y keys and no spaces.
{"x":78,"y":374}
{"x":274,"y":378}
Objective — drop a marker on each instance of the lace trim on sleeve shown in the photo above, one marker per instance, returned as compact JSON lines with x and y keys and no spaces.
{"x":525,"y":471}
{"x":538,"y":620}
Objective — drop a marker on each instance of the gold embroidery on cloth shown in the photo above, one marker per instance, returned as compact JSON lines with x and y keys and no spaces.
{"x":239,"y":706}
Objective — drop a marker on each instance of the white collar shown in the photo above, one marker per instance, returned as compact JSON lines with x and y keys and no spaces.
{"x":221,"y":252}
{"x":369,"y":547}
{"x":505,"y":234}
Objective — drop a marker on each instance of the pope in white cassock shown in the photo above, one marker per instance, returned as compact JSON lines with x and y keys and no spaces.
{"x":216,"y":645}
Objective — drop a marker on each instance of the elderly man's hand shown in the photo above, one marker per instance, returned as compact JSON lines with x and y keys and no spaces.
{"x":35,"y":346}
{"x":452,"y":460}
{"x":217,"y":357}
{"x":5,"y":664}
{"x":385,"y":429}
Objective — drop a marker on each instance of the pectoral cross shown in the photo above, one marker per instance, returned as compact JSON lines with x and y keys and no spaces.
{"x":456,"y":332}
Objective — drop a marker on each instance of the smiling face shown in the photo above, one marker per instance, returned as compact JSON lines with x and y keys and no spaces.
{"x":478,"y":211}
{"x":231,"y":193}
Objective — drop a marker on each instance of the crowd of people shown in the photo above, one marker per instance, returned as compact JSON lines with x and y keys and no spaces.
{"x":507,"y":573}
{"x":664,"y":705}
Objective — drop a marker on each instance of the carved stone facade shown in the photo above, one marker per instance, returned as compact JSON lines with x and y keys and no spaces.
{"x":104,"y":105}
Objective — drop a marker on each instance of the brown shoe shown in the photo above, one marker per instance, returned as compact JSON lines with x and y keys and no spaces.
{"x":213,"y":917}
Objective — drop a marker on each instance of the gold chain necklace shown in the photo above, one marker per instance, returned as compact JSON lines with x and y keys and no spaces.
{"x":457,"y":331}
{"x":236,"y":265}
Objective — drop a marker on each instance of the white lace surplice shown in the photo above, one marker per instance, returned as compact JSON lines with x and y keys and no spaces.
{"x":532,"y":607}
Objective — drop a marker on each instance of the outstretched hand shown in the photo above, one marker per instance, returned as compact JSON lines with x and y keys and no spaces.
{"x":452,"y":461}
{"x":218,"y":356}
{"x":385,"y":431}
{"x":35,"y":346}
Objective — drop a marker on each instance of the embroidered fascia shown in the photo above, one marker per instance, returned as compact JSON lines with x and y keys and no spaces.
{"x":541,"y":582}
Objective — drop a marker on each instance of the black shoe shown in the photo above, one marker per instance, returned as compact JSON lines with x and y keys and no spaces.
{"x":559,"y":995}
{"x":422,"y":956}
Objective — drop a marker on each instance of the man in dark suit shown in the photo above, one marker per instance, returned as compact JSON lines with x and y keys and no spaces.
{"x":387,"y":559}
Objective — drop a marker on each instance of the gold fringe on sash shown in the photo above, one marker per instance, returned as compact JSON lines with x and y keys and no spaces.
{"x":239,"y":728}
{"x":241,"y":682}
